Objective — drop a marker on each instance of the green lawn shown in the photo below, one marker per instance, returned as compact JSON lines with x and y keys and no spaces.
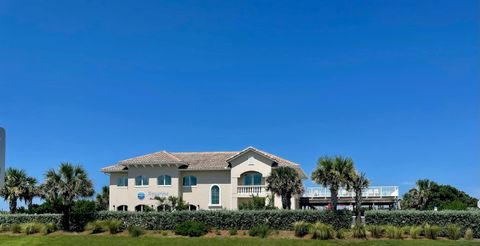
{"x":91,"y":240}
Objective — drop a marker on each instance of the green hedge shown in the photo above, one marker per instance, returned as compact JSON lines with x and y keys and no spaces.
{"x":223,"y":219}
{"x":465,"y":219}
{"x":9,"y":219}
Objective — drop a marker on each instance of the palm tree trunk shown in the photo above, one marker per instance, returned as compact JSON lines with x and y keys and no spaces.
{"x":285,"y":201}
{"x":13,"y":205}
{"x":358,"y":207}
{"x":334,"y":198}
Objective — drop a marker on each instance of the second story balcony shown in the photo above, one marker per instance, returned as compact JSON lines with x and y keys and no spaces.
{"x":251,"y":190}
{"x":373,"y":191}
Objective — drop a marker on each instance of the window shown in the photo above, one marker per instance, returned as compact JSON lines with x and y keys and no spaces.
{"x":252,"y":179}
{"x":189,"y":181}
{"x":122,"y":208}
{"x":141,"y":181}
{"x":215,"y":195}
{"x":164,"y":180}
{"x":122,"y":181}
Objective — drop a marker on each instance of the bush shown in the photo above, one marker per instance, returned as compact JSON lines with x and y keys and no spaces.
{"x":191,"y":229}
{"x":226,"y":219}
{"x":16,"y":228}
{"x":232,"y":231}
{"x":261,"y":231}
{"x":7,"y":220}
{"x":376,"y":230}
{"x":114,"y":226}
{"x":83,"y":211}
{"x":464,"y":219}
{"x":453,"y":232}
{"x":4,"y":228}
{"x":342,"y":233}
{"x":415,"y":232}
{"x":32,"y":228}
{"x":468,"y":234}
{"x":359,"y":231}
{"x":300,"y":228}
{"x":431,"y":231}
{"x":321,"y":231}
{"x":49,"y":228}
{"x":135,"y":231}
{"x":96,"y":226}
{"x":394,"y":232}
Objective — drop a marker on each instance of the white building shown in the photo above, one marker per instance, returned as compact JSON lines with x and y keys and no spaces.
{"x":206,"y":180}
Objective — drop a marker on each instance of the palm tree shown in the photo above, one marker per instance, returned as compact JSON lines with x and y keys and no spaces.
{"x":424,"y":187}
{"x":14,"y":187}
{"x":31,"y":190}
{"x":334,"y":172}
{"x":68,"y":183}
{"x":102,"y":199}
{"x":285,"y":182}
{"x":358,"y":183}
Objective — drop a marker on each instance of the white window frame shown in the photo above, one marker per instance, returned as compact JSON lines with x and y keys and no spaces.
{"x":189,"y":181}
{"x":165,"y":185}
{"x":219,"y":196}
{"x":124,"y":186}
{"x":142,"y":185}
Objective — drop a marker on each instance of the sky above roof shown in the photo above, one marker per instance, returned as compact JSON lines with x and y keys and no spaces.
{"x":393,"y":84}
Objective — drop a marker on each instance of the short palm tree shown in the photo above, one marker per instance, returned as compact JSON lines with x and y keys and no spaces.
{"x":102,"y":199}
{"x":285,"y":182}
{"x":31,"y":190}
{"x":359,"y":182}
{"x":14,"y":187}
{"x":334,"y":172}
{"x":68,"y":183}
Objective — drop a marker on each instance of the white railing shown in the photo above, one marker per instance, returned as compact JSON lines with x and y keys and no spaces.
{"x":373,"y":191}
{"x":251,"y":189}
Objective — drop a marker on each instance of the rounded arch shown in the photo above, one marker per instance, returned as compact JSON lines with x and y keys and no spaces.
{"x":215,"y":199}
{"x":122,"y":208}
{"x":142,"y":208}
{"x":251,"y":178}
{"x":192,"y":207}
{"x":164,"y":207}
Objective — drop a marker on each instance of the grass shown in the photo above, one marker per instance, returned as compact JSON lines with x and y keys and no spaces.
{"x":119,"y":240}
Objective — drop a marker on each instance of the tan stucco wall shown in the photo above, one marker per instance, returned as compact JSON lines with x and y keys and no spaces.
{"x":199,"y":195}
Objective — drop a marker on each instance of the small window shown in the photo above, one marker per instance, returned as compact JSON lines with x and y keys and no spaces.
{"x":215,"y":195}
{"x":189,"y":181}
{"x":122,"y":181}
{"x":252,"y":179}
{"x":141,"y":181}
{"x":164,"y":180}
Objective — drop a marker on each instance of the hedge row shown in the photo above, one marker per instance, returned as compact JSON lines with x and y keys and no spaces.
{"x":9,"y":219}
{"x":223,"y":219}
{"x":464,"y":219}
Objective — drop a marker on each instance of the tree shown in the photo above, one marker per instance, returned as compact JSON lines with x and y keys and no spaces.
{"x":358,"y":183}
{"x":334,"y":172}
{"x":70,"y":182}
{"x":285,"y":182}
{"x":102,"y":199}
{"x":172,"y":203}
{"x":30,"y":191}
{"x":14,"y":187}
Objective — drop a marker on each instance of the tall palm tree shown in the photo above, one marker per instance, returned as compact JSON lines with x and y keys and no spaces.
{"x":68,"y":183}
{"x":102,"y":199}
{"x":424,"y":187}
{"x":334,"y":172}
{"x":359,"y":183}
{"x":31,"y":190}
{"x":14,"y":187}
{"x":285,"y":182}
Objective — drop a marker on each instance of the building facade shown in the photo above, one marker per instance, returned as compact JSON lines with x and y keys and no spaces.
{"x":205,"y":180}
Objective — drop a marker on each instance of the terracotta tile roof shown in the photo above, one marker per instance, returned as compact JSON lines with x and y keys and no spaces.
{"x":196,"y":160}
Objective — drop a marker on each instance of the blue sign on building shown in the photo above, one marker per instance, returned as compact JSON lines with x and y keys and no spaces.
{"x":141,"y":195}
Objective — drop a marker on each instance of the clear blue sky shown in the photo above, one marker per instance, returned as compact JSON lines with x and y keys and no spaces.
{"x":393,"y":84}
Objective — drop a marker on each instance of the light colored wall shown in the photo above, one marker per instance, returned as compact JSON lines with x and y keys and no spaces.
{"x":200,"y":195}
{"x":129,"y":195}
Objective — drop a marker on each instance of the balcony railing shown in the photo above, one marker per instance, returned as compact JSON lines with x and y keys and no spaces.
{"x":373,"y":191}
{"x":248,"y":190}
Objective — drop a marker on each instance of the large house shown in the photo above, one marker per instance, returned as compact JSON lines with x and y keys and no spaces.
{"x":206,"y":180}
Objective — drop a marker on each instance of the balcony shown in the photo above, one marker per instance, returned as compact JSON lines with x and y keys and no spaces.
{"x":373,"y":191}
{"x":249,"y":190}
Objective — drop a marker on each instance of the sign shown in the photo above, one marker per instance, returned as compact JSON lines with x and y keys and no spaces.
{"x":141,"y":195}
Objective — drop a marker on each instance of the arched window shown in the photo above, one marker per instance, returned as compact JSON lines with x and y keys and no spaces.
{"x":164,"y":180}
{"x":141,"y":181}
{"x":164,"y":207}
{"x":189,"y":181}
{"x":215,"y":195}
{"x":192,"y":207}
{"x":122,"y":208}
{"x":252,"y":178}
{"x":122,"y":181}
{"x":142,"y":208}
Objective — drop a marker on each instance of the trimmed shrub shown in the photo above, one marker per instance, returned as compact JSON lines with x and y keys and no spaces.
{"x":225,"y":219}
{"x":359,"y":231}
{"x":321,"y":231}
{"x":261,"y":231}
{"x":16,"y":228}
{"x":464,"y":219}
{"x":7,"y":220}
{"x":431,"y":231}
{"x":114,"y":226}
{"x":191,"y":229}
{"x":96,"y":226}
{"x":453,"y":232}
{"x":32,"y":228}
{"x":300,"y":228}
{"x":342,"y":233}
{"x":468,"y":234}
{"x":394,"y":232}
{"x":415,"y":232}
{"x":232,"y":231}
{"x":376,"y":231}
{"x":135,"y":231}
{"x":49,"y":228}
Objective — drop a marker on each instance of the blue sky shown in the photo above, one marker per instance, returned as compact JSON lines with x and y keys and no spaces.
{"x":393,"y":84}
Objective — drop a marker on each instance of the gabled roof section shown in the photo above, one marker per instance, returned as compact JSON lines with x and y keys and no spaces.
{"x":162,"y":157}
{"x":115,"y":169}
{"x":250,"y":149}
